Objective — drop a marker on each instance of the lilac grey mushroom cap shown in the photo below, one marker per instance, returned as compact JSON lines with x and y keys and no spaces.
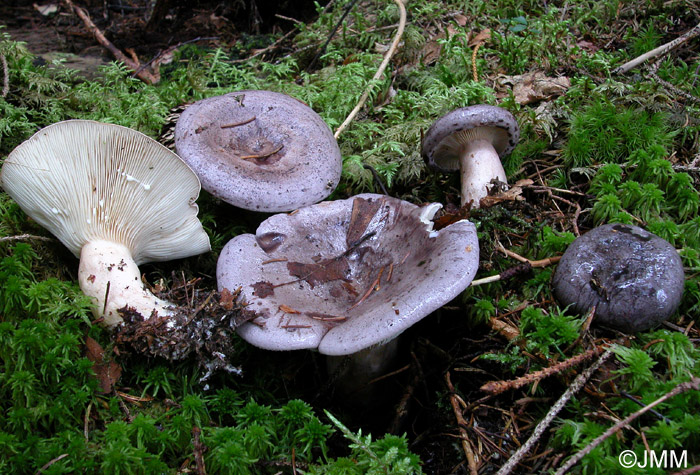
{"x":342,"y":276}
{"x":259,"y":150}
{"x":633,"y":277}
{"x":472,"y":140}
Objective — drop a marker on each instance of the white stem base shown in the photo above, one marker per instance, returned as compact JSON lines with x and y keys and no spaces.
{"x":109,"y":275}
{"x":479,"y":164}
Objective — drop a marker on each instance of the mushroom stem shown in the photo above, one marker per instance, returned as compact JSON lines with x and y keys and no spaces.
{"x":353,"y":374}
{"x":479,"y":164}
{"x":110,"y":275}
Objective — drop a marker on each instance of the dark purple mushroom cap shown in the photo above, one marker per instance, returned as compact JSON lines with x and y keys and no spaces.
{"x":341,"y":276}
{"x":259,"y":150}
{"x":633,"y":277}
{"x":442,"y":142}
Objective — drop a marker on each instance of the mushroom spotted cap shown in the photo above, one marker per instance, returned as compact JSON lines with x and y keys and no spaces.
{"x":442,"y":142}
{"x":85,"y":181}
{"x":633,"y":277}
{"x":341,"y":276}
{"x":259,"y":150}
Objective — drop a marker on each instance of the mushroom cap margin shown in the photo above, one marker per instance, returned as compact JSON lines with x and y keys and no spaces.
{"x":424,"y":281}
{"x":468,"y":118}
{"x":304,"y":171}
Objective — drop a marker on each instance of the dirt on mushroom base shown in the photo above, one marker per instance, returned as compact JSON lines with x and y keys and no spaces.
{"x":203,"y":327}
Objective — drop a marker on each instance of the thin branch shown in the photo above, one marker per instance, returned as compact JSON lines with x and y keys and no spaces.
{"x":663,"y":49}
{"x":462,"y":424}
{"x":693,"y":384}
{"x":380,"y":71}
{"x":5,"y":76}
{"x":578,"y":383}
{"x":145,"y":76}
{"x":498,"y":387}
{"x":22,"y":237}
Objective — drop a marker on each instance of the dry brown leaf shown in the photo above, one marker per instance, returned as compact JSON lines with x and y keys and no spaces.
{"x":481,"y":37}
{"x":107,"y":372}
{"x":513,"y":194}
{"x":431,"y":51}
{"x":533,"y":87}
{"x":460,"y":19}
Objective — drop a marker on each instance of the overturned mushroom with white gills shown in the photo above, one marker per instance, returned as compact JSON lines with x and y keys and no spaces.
{"x":472,"y":140}
{"x":346,"y":276}
{"x":116,"y":199}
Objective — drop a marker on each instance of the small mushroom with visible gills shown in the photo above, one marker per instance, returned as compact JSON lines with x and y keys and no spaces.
{"x":259,"y":150}
{"x":345,"y":277}
{"x":633,"y":277}
{"x":472,"y":140}
{"x":116,"y":198}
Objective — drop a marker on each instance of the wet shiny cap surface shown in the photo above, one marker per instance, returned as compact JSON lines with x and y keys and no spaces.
{"x":633,"y":277}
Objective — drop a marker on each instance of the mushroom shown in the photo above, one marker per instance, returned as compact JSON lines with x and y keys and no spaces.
{"x":344,"y":276}
{"x":116,"y":198}
{"x":632,"y":277}
{"x":259,"y":150}
{"x":471,"y":139}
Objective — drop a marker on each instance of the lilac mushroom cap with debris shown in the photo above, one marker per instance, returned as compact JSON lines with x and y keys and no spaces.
{"x":472,"y":140}
{"x":342,"y":276}
{"x":633,"y":277}
{"x":116,"y":198}
{"x":259,"y":150}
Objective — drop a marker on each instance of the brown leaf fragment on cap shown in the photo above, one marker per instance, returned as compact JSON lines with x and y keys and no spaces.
{"x":288,"y":309}
{"x":362,"y":213}
{"x":325,"y":271}
{"x":107,"y":372}
{"x":263,"y":289}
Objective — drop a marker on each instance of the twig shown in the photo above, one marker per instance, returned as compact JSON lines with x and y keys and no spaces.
{"x":86,"y":423}
{"x":262,"y":155}
{"x":476,"y":49}
{"x":688,"y":471}
{"x":693,"y":384}
{"x":5,"y":76}
{"x":199,"y":449}
{"x":238,"y":124}
{"x":145,"y":76}
{"x":539,"y":263}
{"x":380,"y":71}
{"x":332,"y":34}
{"x":51,"y":462}
{"x":156,"y":59}
{"x":578,"y":383}
{"x":22,"y":237}
{"x":377,"y":178}
{"x":663,"y":49}
{"x":498,"y":387}
{"x":462,"y":424}
{"x":679,"y":92}
{"x":509,"y":273}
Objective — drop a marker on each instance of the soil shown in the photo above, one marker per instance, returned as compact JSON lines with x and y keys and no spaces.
{"x":52,"y":32}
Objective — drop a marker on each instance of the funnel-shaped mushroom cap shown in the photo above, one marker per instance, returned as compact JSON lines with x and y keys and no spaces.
{"x":447,"y":137}
{"x":86,"y":181}
{"x":344,"y":275}
{"x":259,"y":150}
{"x":633,"y":277}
